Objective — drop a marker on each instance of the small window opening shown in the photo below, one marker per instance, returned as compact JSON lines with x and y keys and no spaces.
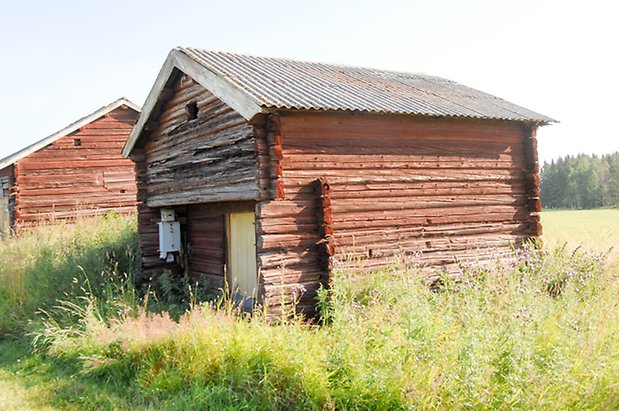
{"x":192,"y":110}
{"x":123,"y":191}
{"x":4,"y":187}
{"x":77,"y":142}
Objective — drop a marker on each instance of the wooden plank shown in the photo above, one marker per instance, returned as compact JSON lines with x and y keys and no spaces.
{"x":209,"y":159}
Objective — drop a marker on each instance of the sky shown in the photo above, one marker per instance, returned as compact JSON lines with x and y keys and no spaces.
{"x":62,"y":60}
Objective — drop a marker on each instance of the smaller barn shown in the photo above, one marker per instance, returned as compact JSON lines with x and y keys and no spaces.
{"x":77,"y":171}
{"x":258,"y":174}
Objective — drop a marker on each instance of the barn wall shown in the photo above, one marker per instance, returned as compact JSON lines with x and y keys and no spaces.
{"x":203,"y":168}
{"x":287,"y":228}
{"x":148,"y":234}
{"x":426,"y":190}
{"x":7,"y":172}
{"x":203,"y":235}
{"x":207,"y":159}
{"x":64,"y":181}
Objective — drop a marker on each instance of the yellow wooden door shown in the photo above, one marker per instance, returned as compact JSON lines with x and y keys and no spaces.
{"x":4,"y":217}
{"x":242,"y":273}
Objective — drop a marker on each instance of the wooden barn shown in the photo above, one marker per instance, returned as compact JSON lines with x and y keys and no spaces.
{"x":267,"y":172}
{"x":76,"y":171}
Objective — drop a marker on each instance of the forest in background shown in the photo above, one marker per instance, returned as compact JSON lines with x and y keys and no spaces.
{"x":581,"y":181}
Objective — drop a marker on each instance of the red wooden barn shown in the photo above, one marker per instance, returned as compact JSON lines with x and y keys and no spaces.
{"x":267,"y":171}
{"x":76,"y":171}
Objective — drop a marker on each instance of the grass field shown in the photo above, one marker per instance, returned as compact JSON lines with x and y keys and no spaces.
{"x":542,"y":334}
{"x":590,"y":229}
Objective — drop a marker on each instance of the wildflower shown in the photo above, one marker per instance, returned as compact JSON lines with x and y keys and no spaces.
{"x":297,"y":291}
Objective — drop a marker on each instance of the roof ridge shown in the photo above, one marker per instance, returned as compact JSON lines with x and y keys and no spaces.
{"x":252,"y":84}
{"x":304,"y":61}
{"x":89,"y":118}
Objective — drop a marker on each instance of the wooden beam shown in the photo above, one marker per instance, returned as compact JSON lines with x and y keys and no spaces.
{"x":151,"y":102}
{"x":324,"y":214}
{"x":222,"y":88}
{"x":532,"y":181}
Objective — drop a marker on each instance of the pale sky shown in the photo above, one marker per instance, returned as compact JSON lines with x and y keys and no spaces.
{"x":62,"y":60}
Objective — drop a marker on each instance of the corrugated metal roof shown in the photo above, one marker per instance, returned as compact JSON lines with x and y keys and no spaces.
{"x":289,"y":84}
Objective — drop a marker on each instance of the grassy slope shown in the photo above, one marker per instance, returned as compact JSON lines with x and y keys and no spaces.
{"x":498,"y":343}
{"x":61,"y":262}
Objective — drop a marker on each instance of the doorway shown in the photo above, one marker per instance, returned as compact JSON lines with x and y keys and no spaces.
{"x":4,"y":217}
{"x":5,"y":222}
{"x":241,"y":271}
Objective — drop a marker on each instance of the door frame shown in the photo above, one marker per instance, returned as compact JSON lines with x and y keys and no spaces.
{"x":5,"y":207}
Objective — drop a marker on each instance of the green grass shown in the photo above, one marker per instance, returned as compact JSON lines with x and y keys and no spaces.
{"x":34,"y":381}
{"x":63,"y":262}
{"x":541,"y":334}
{"x":14,"y":395}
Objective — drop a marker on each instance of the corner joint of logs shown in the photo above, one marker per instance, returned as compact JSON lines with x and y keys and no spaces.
{"x":324,"y":217}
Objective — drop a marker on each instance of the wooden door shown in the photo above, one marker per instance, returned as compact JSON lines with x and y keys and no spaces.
{"x":242,"y":272}
{"x":4,"y":217}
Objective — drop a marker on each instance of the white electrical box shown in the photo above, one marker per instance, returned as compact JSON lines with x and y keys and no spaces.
{"x":169,"y":238}
{"x":169,"y":235}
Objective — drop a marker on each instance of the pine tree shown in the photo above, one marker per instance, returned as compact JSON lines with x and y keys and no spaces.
{"x":582,"y":181}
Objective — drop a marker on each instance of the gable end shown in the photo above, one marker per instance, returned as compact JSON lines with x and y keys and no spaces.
{"x":176,"y":62}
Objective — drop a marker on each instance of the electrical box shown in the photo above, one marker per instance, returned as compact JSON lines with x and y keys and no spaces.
{"x":167,"y":215}
{"x":169,"y":235}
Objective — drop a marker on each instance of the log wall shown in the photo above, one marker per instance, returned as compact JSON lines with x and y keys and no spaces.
{"x":203,"y":168}
{"x":288,"y":228}
{"x":148,"y":232}
{"x":208,"y":158}
{"x":366,"y":187}
{"x":64,"y":181}
{"x":429,"y":191}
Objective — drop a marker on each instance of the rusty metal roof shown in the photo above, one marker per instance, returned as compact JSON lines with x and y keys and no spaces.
{"x":288,"y":84}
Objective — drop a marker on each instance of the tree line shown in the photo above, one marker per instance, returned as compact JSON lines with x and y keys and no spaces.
{"x":581,"y":181}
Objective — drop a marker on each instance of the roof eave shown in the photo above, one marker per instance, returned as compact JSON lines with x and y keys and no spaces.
{"x":15,"y":157}
{"x":237,"y":99}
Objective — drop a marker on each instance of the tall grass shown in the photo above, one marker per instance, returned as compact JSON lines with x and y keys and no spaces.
{"x":92,"y":257}
{"x":540,"y":333}
{"x":543,"y":333}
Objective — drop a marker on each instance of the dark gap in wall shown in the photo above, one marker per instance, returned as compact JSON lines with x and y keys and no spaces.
{"x":192,"y":110}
